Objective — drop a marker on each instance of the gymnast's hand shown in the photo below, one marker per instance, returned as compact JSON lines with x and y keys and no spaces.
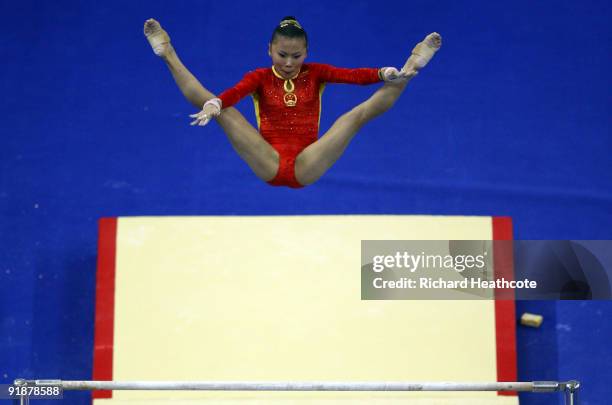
{"x":210,"y":110}
{"x":392,"y":75}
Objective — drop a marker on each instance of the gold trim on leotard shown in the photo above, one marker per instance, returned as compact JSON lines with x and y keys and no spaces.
{"x":290,"y":97}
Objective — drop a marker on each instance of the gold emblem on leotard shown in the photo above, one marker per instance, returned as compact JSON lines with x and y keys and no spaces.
{"x":290,"y":97}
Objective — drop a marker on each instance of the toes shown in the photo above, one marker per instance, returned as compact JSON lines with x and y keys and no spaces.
{"x":434,"y":39}
{"x":151,"y":26}
{"x":148,"y":27}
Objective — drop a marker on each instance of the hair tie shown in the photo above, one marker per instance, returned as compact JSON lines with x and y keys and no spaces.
{"x":284,"y":23}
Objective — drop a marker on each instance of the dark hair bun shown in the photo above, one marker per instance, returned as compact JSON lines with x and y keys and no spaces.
{"x":290,"y":21}
{"x":289,"y":27}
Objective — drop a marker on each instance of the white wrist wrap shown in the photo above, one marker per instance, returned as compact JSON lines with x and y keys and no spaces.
{"x":216,"y":101}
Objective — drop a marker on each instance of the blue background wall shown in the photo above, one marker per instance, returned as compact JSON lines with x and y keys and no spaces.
{"x":511,"y":118}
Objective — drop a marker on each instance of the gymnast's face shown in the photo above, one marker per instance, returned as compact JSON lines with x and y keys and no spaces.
{"x":288,"y":55}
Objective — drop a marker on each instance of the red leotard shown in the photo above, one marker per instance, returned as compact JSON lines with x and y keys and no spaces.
{"x":291,"y":129}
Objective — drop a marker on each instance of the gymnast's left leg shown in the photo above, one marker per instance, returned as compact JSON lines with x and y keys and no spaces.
{"x":318,"y":157}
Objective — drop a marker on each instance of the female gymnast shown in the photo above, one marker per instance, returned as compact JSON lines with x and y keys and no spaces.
{"x":285,"y":151}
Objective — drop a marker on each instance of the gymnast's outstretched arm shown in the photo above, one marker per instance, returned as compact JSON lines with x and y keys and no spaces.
{"x":191,"y":88}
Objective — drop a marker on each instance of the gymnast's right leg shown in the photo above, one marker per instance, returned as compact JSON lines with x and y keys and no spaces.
{"x":261,"y":157}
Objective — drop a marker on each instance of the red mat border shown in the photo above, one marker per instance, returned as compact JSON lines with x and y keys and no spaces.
{"x":105,"y":304}
{"x":505,"y":311}
{"x":505,"y":308}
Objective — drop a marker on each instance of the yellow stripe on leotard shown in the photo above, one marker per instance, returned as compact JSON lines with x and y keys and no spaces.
{"x":256,"y":105}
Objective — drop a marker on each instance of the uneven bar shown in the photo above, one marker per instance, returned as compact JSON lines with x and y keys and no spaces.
{"x":534,"y":386}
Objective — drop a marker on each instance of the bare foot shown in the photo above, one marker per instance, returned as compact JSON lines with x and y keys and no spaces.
{"x":158,"y":38}
{"x":423,"y":52}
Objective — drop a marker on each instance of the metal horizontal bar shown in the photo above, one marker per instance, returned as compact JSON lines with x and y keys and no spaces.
{"x":534,"y":386}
